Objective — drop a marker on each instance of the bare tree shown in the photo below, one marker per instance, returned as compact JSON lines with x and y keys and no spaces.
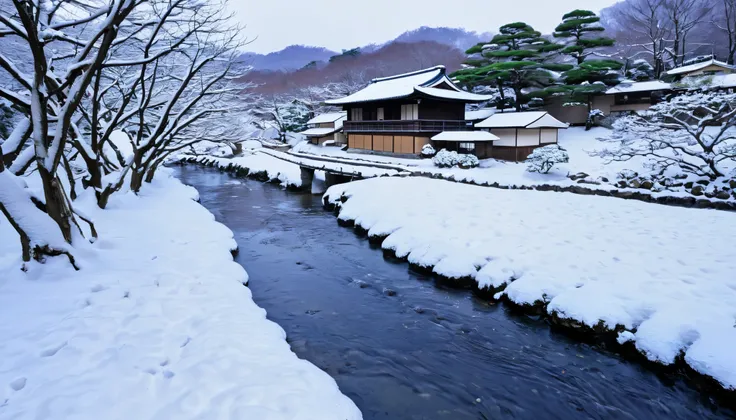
{"x":683,"y":16}
{"x":692,"y":132}
{"x":724,"y":18}
{"x":51,"y":98}
{"x":154,"y":68}
{"x":648,"y":31}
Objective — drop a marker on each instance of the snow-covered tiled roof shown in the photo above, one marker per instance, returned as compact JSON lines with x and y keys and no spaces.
{"x":328,"y":118}
{"x":532,"y":119}
{"x":480,"y":114}
{"x":459,"y":95}
{"x":465,"y":136}
{"x":319,"y":132}
{"x":630,"y":86}
{"x":405,"y":85}
{"x":699,"y":66}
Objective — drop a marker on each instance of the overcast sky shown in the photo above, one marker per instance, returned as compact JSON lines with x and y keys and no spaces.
{"x":338,"y":24}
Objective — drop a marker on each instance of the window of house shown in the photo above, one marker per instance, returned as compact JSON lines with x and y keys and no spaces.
{"x":381,"y":114}
{"x":410,"y":112}
{"x":466,"y":147}
{"x":356,"y":114}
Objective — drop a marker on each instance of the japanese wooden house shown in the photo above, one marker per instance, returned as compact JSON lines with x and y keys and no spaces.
{"x":400,"y":114}
{"x":631,"y":96}
{"x":326,"y":128}
{"x":519,"y":133}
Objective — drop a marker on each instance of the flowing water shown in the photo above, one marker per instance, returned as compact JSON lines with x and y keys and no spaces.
{"x":402,"y":347}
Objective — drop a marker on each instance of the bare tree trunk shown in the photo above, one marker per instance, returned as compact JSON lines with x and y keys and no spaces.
{"x":151,"y":172}
{"x":56,"y":203}
{"x":517,"y":92}
{"x":136,"y":179}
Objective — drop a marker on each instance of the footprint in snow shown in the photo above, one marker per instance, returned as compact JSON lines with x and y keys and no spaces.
{"x":97,"y":288}
{"x":187,"y":341}
{"x":18,"y":384}
{"x":53,"y":350}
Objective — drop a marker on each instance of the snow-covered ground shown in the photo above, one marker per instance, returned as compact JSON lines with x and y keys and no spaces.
{"x":157,"y":324}
{"x":666,"y":274}
{"x":256,"y":161}
{"x":578,"y":143}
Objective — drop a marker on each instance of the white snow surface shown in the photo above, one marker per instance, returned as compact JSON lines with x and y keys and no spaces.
{"x":531,"y":119}
{"x":403,"y":85}
{"x":318,"y":132}
{"x":461,"y":136}
{"x":257,"y":160}
{"x":575,"y":140}
{"x":479,"y":114}
{"x":157,"y":325}
{"x":631,"y":86}
{"x":452,"y":94}
{"x":328,"y":117}
{"x":667,"y":273}
{"x":698,"y":66}
{"x":391,"y":87}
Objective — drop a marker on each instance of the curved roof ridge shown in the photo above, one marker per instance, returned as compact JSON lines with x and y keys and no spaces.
{"x":413,"y":73}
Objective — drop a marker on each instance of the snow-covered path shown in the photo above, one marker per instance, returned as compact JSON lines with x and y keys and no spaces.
{"x":156,"y":325}
{"x":667,"y":274}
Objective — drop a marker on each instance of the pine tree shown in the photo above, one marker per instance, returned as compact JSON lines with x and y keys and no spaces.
{"x":586,"y":77}
{"x":576,"y":26}
{"x":513,"y":59}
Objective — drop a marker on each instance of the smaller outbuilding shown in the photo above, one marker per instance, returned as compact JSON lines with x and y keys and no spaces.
{"x":478,"y":143}
{"x":519,"y":133}
{"x":326,"y":128}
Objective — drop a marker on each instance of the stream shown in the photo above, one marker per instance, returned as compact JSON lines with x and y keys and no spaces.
{"x":401,"y":346}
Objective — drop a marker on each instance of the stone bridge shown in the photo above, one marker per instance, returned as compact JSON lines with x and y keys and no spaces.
{"x":337,"y":170}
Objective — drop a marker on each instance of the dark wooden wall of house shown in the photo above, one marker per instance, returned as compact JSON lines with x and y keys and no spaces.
{"x":436,"y":110}
{"x":428,"y":110}
{"x":391,"y":110}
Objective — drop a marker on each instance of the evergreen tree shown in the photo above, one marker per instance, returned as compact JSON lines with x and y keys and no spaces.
{"x":515,"y":58}
{"x":576,"y":26}
{"x":586,"y":77}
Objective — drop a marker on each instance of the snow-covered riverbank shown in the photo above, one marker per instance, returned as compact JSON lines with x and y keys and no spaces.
{"x":254,"y":164}
{"x":584,"y":174}
{"x":157,"y":324}
{"x":664,"y":277}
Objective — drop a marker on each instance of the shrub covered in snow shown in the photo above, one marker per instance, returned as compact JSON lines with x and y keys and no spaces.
{"x":543,"y":159}
{"x":468,"y":161}
{"x":595,"y":116}
{"x":428,"y":151}
{"x":446,"y":159}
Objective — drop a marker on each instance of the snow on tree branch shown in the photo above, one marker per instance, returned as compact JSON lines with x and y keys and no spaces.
{"x":693,"y":133}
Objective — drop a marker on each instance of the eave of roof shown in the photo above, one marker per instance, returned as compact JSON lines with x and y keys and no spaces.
{"x":532,"y":119}
{"x":391,"y":88}
{"x":320,"y":132}
{"x":698,"y":66}
{"x":465,"y":136}
{"x":328,"y":118}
